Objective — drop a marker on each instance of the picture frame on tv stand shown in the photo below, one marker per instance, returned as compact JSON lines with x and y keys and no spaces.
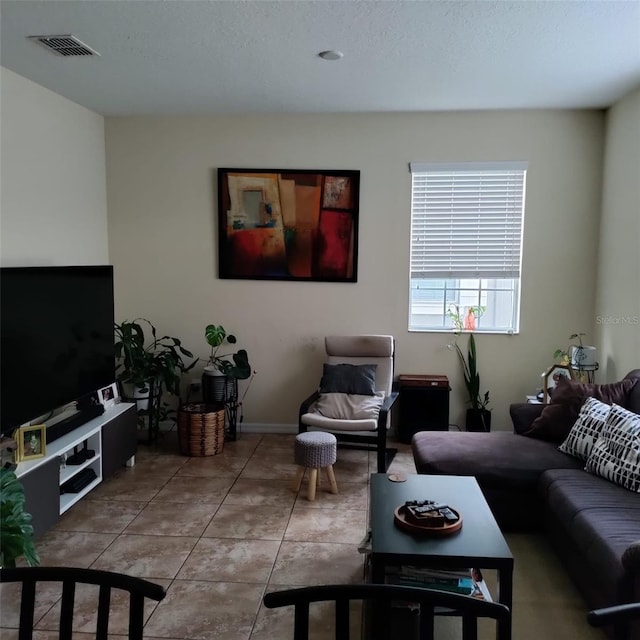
{"x":109,"y":396}
{"x":31,"y":441}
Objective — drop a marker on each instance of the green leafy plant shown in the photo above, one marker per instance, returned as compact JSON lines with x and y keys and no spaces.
{"x":16,"y":531}
{"x":469,"y":363}
{"x":563,"y":354}
{"x":236,"y":367}
{"x":471,"y":375}
{"x":458,"y":319}
{"x":160,"y":360}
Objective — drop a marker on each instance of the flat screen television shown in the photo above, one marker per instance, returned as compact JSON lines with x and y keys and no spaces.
{"x":56,"y":339}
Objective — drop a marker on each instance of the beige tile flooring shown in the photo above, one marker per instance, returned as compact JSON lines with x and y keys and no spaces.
{"x":218,"y":532}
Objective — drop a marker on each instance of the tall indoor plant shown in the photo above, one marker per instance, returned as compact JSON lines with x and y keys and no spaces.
{"x":16,"y":531}
{"x":478,"y":417}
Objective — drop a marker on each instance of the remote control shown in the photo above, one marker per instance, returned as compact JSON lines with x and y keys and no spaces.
{"x":427,"y":509}
{"x":448,"y":514}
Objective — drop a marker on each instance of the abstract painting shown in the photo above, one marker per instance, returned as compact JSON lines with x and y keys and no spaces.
{"x":283,"y":224}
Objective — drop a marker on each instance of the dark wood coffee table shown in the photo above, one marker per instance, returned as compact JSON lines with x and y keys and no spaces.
{"x":479,"y":543}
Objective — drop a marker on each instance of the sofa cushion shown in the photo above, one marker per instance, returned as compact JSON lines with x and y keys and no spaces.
{"x":497,"y":460}
{"x":349,"y":378}
{"x":616,"y":454}
{"x":586,"y":430}
{"x":631,"y":557}
{"x":557,"y":418}
{"x":523,"y":414}
{"x":633,"y":399}
{"x":601,"y":518}
{"x":569,"y":491}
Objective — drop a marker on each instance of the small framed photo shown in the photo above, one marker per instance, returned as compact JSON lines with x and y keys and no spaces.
{"x":109,"y":395}
{"x":551,"y":377}
{"x":31,"y":442}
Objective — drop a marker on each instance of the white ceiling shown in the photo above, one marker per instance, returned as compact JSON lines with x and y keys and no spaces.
{"x":202,"y":56}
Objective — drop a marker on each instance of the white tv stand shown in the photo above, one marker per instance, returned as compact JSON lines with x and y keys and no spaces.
{"x":113,"y":438}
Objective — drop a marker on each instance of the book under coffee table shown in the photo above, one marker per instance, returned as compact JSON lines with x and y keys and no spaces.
{"x":478,"y":544}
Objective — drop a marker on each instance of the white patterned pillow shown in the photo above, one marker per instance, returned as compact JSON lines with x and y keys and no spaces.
{"x":586,"y":429}
{"x":616,"y":453}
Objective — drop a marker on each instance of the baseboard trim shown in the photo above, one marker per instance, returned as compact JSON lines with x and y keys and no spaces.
{"x":258,"y":427}
{"x":267,"y":427}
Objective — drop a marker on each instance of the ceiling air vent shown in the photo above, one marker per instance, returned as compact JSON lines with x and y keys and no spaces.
{"x":65,"y":45}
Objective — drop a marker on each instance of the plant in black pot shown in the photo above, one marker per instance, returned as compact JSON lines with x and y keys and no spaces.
{"x":149,"y":367}
{"x":16,"y":531}
{"x":223,"y":369}
{"x":478,"y":417}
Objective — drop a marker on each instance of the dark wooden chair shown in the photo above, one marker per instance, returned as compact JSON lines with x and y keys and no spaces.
{"x":379,"y":601}
{"x":619,"y":617}
{"x":69,"y":577}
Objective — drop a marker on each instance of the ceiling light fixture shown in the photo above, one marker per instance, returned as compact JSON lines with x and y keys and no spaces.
{"x":332,"y":54}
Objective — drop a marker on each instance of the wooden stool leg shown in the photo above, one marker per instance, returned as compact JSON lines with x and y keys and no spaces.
{"x":298,"y":480}
{"x":332,"y":479}
{"x":313,"y":478}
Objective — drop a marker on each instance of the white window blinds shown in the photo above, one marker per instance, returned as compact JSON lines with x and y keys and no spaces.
{"x":466,"y":220}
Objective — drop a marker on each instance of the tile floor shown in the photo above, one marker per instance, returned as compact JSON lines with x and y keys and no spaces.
{"x":218,"y":532}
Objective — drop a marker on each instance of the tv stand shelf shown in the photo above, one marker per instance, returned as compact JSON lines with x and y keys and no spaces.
{"x":112,"y":437}
{"x":70,"y":471}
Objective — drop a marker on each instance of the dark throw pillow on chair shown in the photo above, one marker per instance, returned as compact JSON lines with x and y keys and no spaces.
{"x":349,"y":378}
{"x":557,"y":418}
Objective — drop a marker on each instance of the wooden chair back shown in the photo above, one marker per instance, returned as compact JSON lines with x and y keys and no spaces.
{"x":379,"y":602}
{"x":70,"y":577}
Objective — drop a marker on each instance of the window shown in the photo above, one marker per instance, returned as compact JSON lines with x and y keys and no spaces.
{"x":466,"y":243}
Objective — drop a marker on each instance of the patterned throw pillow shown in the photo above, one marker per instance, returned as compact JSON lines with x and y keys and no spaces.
{"x":616,"y":453}
{"x":586,"y":430}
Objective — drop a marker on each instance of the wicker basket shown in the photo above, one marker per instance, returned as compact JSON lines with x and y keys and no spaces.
{"x":201,"y":429}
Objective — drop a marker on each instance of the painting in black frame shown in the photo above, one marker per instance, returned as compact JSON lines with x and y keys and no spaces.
{"x":286,"y":224}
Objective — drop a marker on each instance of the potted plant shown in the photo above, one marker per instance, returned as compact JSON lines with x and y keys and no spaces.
{"x":226,"y":367}
{"x":157,"y":364}
{"x":16,"y":531}
{"x":478,"y":417}
{"x":580,"y":357}
{"x":566,"y":356}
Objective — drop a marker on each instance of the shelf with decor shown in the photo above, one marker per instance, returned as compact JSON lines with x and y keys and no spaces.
{"x":53,"y":484}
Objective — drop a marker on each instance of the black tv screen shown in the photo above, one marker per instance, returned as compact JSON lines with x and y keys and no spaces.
{"x":56,"y":338}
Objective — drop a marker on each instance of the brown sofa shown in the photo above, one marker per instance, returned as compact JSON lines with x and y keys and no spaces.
{"x":593,"y":523}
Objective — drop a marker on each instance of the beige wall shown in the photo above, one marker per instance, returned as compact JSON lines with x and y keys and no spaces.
{"x":162,"y":237}
{"x":53,"y":203}
{"x":618,"y":302}
{"x":162,"y":240}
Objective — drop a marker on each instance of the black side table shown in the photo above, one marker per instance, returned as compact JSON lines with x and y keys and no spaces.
{"x":424,"y":404}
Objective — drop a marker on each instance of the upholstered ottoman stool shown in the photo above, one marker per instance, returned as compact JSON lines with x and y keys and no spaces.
{"x":315,"y":450}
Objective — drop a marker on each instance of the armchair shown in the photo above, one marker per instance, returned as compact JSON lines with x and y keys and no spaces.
{"x":355,"y":394}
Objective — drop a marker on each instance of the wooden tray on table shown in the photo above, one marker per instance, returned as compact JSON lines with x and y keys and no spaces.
{"x":440,"y":529}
